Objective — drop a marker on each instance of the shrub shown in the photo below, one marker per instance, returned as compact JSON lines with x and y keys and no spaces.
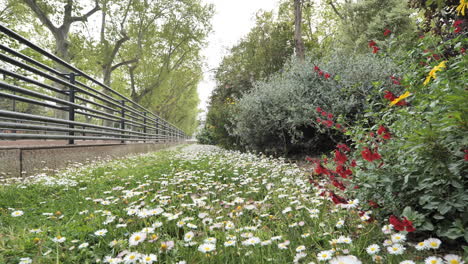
{"x":422,"y":174}
{"x":275,"y":116}
{"x":412,"y":156}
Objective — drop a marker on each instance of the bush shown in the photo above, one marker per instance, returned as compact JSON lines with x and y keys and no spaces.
{"x":422,"y":174}
{"x":205,"y":136}
{"x":275,"y":116}
{"x":410,"y":159}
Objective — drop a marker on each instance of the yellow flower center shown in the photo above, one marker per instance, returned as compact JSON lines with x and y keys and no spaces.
{"x":137,"y":238}
{"x":163,"y":246}
{"x":433,"y":244}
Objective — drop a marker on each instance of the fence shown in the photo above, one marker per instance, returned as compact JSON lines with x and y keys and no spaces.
{"x":39,"y":101}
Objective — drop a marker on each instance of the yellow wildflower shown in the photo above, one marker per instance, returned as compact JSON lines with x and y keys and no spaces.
{"x":432,"y":73}
{"x":403,"y":96}
{"x":461,"y":8}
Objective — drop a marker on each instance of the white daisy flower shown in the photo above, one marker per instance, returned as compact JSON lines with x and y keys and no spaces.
{"x":101,"y":232}
{"x":453,"y":259}
{"x":188,"y":236}
{"x":421,"y":246}
{"x":300,"y":248}
{"x":207,"y":247}
{"x":17,"y":213}
{"x":83,"y":245}
{"x":387,"y":229}
{"x":211,"y":240}
{"x":132,"y":257}
{"x":433,"y":260}
{"x":251,"y":241}
{"x":230,"y":243}
{"x":59,"y":239}
{"x":396,"y":249}
{"x":433,"y":243}
{"x":136,"y":238}
{"x":398,"y":238}
{"x":373,"y":249}
{"x":25,"y":261}
{"x":325,"y":255}
{"x":345,"y":259}
{"x":148,"y":259}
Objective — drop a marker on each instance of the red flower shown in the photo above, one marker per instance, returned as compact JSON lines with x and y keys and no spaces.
{"x":387,"y":136}
{"x":396,"y":82}
{"x":319,"y":169}
{"x":370,"y":156}
{"x":387,"y":32}
{"x":372,"y":43}
{"x":373,"y":204}
{"x":319,"y":120}
{"x":321,"y":73}
{"x":353,"y":163}
{"x":457,"y":26}
{"x":338,"y":199}
{"x":329,"y":123}
{"x":340,"y":158}
{"x":343,"y":172}
{"x":462,"y":50}
{"x":375,"y":49}
{"x":316,"y":69}
{"x":466,"y":154}
{"x":327,"y":75}
{"x":318,"y":109}
{"x":343,"y":147}
{"x":390,"y":96}
{"x":381,"y":130}
{"x":338,"y":185}
{"x":324,"y":113}
{"x":401,"y":225}
{"x":338,"y":126}
{"x":330,"y":115}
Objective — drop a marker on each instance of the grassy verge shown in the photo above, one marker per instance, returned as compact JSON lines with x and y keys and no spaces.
{"x":198,"y":205}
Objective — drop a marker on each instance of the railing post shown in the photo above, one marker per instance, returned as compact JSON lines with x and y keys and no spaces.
{"x":71,"y":109}
{"x":144,"y":126}
{"x":122,"y":120}
{"x":156,"y":131}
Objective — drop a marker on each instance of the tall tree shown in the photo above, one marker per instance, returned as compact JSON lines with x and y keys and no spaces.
{"x":299,"y":44}
{"x":43,"y":9}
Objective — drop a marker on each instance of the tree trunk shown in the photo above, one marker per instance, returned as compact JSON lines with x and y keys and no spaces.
{"x":299,"y":45}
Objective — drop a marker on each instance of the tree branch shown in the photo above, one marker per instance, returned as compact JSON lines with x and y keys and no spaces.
{"x":336,"y":10}
{"x":41,"y":15}
{"x":85,"y":17}
{"x":123,"y":63}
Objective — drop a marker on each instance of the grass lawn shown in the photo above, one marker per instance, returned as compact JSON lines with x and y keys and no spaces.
{"x":199,"y":204}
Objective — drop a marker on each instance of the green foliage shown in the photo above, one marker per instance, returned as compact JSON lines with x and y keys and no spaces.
{"x":366,"y":20}
{"x":261,"y":53}
{"x":423,"y":175}
{"x":205,"y":136}
{"x":276,"y":115}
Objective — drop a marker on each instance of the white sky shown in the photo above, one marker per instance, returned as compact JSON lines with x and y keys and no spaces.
{"x":233,"y":20}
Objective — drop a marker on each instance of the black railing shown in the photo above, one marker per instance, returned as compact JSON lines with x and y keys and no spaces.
{"x":38,"y":101}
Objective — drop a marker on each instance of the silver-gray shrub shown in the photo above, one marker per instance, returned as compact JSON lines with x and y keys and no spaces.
{"x":278,"y":115}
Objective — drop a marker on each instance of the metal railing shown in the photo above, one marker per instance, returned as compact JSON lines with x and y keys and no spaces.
{"x":38,"y":101}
